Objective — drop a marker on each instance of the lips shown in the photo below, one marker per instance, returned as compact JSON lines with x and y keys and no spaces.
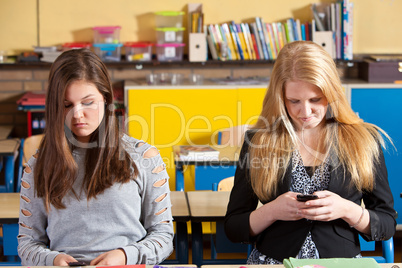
{"x":79,"y":124}
{"x":306,"y":119}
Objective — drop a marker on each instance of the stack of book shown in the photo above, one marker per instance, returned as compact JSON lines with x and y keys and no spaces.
{"x":198,"y":153}
{"x":258,"y":40}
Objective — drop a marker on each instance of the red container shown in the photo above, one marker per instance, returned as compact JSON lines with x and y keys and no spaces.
{"x":138,"y":51}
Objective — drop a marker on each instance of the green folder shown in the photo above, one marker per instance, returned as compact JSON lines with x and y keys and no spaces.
{"x":332,"y":263}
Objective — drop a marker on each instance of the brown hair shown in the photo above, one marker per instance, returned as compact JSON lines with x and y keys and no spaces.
{"x":354,"y":142}
{"x":105,"y":164}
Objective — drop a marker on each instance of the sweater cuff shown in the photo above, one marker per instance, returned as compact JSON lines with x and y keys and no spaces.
{"x":131,"y":255}
{"x":50,"y":258}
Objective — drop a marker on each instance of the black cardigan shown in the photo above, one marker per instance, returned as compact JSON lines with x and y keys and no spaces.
{"x":334,"y":239}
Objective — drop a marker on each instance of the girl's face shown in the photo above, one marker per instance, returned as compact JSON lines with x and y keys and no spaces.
{"x":84,"y":109}
{"x":306,"y":104}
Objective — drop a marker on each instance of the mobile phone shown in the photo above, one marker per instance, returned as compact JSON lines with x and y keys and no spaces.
{"x":306,"y":197}
{"x":77,"y":263}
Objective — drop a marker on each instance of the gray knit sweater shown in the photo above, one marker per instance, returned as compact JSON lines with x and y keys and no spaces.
{"x":125,"y":216}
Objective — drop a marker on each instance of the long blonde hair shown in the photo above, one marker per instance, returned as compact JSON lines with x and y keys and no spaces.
{"x":354,"y":142}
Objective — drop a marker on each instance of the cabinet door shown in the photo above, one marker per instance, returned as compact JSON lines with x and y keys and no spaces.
{"x":382,"y":108}
{"x":250,"y":104}
{"x":167,"y":117}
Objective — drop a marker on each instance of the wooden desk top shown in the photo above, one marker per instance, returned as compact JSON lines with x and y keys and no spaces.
{"x":5,"y":131}
{"x":227,"y":155}
{"x":10,"y":204}
{"x":208,"y":205}
{"x":9,"y":146}
{"x":9,"y":207}
{"x":179,"y":205}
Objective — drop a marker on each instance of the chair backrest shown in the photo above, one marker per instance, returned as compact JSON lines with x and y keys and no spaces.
{"x":232,"y":136}
{"x":31,"y":144}
{"x":387,"y":249}
{"x":226,"y":184}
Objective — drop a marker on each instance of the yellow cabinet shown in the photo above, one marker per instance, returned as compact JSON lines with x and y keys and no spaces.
{"x":167,"y":116}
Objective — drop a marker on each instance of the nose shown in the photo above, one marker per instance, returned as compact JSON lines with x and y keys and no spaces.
{"x":78,"y":111}
{"x":305,"y":109}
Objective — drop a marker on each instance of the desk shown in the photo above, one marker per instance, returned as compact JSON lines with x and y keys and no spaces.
{"x":211,"y":171}
{"x":181,"y":215}
{"x":5,"y":131}
{"x":206,"y":206}
{"x":9,"y":214}
{"x":9,"y":151}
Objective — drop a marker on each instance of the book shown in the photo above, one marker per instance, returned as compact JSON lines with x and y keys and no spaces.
{"x":253,"y":28}
{"x":272,"y":44}
{"x":289,"y":30}
{"x":231,"y":43}
{"x":198,"y":153}
{"x":331,"y":263}
{"x":212,"y":47}
{"x":259,"y":23}
{"x":245,"y":48}
{"x":235,"y":36}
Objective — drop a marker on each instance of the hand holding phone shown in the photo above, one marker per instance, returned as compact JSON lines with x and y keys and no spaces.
{"x":306,"y":197}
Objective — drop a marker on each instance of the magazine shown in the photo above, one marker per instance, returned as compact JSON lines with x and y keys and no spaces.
{"x":198,"y":153}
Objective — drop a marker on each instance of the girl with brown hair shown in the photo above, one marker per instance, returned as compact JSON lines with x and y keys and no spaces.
{"x":91,"y":194}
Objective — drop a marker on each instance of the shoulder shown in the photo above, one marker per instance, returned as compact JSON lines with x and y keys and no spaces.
{"x":135,"y":147}
{"x":27,"y":180}
{"x":138,"y":149}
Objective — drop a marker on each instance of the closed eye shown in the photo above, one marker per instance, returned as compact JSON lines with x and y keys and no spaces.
{"x":293,"y":101}
{"x":315,"y":100}
{"x":87,"y":103}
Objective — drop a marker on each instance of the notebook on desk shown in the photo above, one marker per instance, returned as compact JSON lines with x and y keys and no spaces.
{"x":331,"y":263}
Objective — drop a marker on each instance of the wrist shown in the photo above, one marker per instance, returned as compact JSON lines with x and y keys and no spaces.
{"x":356,"y":224}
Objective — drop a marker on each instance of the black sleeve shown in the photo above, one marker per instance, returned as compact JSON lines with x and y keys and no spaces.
{"x":242,"y":200}
{"x":380,"y":204}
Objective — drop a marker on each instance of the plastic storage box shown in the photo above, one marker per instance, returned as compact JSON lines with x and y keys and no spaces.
{"x":169,"y":51}
{"x":138,"y":51}
{"x":169,"y":19}
{"x":169,"y":35}
{"x":108,"y":52}
{"x":106,"y":34}
{"x":76,"y":45}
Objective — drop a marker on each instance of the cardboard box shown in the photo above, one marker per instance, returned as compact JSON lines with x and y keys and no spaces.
{"x":381,"y":71}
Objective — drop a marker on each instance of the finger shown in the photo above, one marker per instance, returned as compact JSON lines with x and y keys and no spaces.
{"x":97,"y":260}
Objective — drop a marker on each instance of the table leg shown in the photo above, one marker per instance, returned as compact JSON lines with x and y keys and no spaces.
{"x":197,"y":243}
{"x":182,"y":242}
{"x":179,"y":177}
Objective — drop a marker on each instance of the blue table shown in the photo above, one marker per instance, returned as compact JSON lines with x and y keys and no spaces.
{"x":207,"y":172}
{"x":8,"y":154}
{"x":9,"y":214}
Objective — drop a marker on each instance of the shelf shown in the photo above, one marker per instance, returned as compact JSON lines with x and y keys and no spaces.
{"x":158,"y":64}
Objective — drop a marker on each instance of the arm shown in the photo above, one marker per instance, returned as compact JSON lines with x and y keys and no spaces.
{"x":375,"y":222}
{"x":32,"y":238}
{"x":241,"y":203}
{"x":379,"y":204}
{"x":242,"y":213}
{"x":157,"y":245}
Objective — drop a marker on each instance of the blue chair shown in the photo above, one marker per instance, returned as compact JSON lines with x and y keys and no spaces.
{"x":387,"y":249}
